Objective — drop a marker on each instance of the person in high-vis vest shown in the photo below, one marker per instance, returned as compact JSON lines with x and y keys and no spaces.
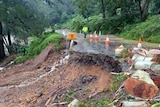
{"x":85,"y":30}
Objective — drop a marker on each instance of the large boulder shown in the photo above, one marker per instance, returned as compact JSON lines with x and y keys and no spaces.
{"x":141,"y":85}
{"x":140,"y":88}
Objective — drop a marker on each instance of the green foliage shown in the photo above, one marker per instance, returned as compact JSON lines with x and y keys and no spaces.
{"x":38,"y":44}
{"x":12,"y":49}
{"x":87,"y":8}
{"x":41,"y":42}
{"x":21,"y":59}
{"x":114,"y":24}
{"x":94,"y":23}
{"x":23,"y":50}
{"x":155,"y":6}
{"x":69,"y":96}
{"x":75,"y":24}
{"x":96,"y":103}
{"x":119,"y":13}
{"x":117,"y":81}
{"x":157,"y":104}
{"x":148,"y":30}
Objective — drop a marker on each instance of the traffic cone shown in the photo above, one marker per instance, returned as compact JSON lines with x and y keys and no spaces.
{"x":107,"y":40}
{"x":90,"y":37}
{"x":139,"y":43}
{"x":96,"y":38}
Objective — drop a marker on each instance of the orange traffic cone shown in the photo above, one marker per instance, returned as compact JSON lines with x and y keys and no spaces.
{"x":107,"y":40}
{"x":90,"y":37}
{"x":139,"y":43}
{"x":96,"y":38}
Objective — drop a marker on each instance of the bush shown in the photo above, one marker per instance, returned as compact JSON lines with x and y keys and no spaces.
{"x":148,"y":30}
{"x":23,"y":50}
{"x":21,"y":59}
{"x":114,"y":24}
{"x":12,"y":49}
{"x":38,"y":44}
{"x":75,"y":24}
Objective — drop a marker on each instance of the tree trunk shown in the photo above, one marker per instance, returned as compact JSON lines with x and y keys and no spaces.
{"x":26,"y":41}
{"x":9,"y":37}
{"x":2,"y":53}
{"x":143,"y":9}
{"x":103,"y":9}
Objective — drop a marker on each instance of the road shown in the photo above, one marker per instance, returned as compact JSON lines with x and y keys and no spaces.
{"x":99,"y":47}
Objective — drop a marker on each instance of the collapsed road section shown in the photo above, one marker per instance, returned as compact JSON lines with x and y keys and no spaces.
{"x":105,"y":61}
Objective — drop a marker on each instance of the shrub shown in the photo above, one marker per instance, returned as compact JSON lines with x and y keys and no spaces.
{"x":38,"y":44}
{"x":148,"y":30}
{"x":118,"y":79}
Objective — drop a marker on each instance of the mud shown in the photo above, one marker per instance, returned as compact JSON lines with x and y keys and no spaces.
{"x":50,"y":81}
{"x":105,"y":61}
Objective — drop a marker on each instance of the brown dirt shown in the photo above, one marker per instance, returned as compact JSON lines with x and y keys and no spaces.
{"x":23,"y":85}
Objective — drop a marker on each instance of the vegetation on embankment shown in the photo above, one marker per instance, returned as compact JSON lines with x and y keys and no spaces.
{"x":147,"y":30}
{"x":37,"y":45}
{"x":109,"y":25}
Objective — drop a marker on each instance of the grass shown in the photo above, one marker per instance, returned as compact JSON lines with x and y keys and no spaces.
{"x":117,"y":81}
{"x":96,"y":103}
{"x":147,"y":30}
{"x":40,"y":43}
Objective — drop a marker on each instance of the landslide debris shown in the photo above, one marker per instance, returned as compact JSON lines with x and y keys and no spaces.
{"x":105,"y":61}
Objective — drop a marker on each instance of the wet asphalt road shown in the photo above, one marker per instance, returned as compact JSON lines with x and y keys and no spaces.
{"x":92,"y":47}
{"x":88,"y":45}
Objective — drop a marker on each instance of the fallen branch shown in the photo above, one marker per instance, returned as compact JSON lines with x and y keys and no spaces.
{"x":48,"y":101}
{"x":118,"y":91}
{"x":92,"y":95}
{"x":48,"y":98}
{"x":61,"y":103}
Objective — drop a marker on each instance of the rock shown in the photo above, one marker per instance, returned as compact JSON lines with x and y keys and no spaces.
{"x":2,"y":101}
{"x":134,"y":104}
{"x":118,"y":50}
{"x":74,"y":103}
{"x":1,"y":68}
{"x":144,"y":76}
{"x":140,"y":88}
{"x":88,"y":78}
{"x":156,"y":81}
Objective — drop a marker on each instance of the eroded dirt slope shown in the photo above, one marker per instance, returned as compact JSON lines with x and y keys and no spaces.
{"x":47,"y":80}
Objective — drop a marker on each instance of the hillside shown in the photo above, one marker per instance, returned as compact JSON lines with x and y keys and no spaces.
{"x":47,"y":81}
{"x":148,"y":30}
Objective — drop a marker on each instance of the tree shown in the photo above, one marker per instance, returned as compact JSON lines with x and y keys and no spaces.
{"x":20,"y":20}
{"x":155,"y":8}
{"x":2,"y":53}
{"x":143,"y":7}
{"x":60,"y":10}
{"x":103,"y":8}
{"x":90,"y":7}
